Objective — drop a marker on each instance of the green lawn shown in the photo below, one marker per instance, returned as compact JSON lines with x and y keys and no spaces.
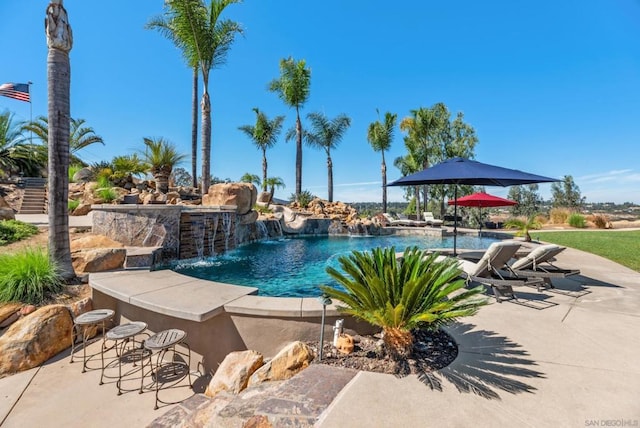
{"x":620,"y":246}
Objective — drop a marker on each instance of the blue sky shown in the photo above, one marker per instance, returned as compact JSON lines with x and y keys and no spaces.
{"x":551,"y":88}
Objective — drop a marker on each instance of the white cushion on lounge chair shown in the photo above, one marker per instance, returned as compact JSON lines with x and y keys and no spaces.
{"x":496,"y":256}
{"x":430,"y":219}
{"x":541,"y":254}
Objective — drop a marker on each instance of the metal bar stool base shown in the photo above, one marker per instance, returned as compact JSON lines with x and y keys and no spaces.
{"x":167,"y":374}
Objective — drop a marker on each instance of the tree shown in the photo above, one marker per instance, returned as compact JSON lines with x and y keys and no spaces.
{"x":380,"y":136}
{"x":16,"y":155}
{"x":426,"y":128}
{"x":264,"y":134}
{"x":273,"y":183}
{"x":80,"y":136}
{"x":252,"y":178}
{"x":408,"y":165}
{"x":205,"y":39}
{"x":400,"y":294}
{"x":326,"y":134}
{"x":293,"y":89}
{"x":162,"y":156}
{"x":528,"y":199}
{"x":181,"y":177}
{"x":59,"y":42}
{"x":566,"y":194}
{"x":180,"y":37}
{"x":523,"y":226}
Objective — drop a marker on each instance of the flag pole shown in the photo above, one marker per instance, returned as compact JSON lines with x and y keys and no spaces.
{"x":30,"y":113}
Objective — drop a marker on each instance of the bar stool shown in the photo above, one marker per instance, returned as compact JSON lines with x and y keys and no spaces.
{"x":80,"y":325}
{"x":170,"y":373}
{"x":121,"y":335}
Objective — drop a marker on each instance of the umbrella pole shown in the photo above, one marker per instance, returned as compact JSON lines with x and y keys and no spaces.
{"x":455,"y":219}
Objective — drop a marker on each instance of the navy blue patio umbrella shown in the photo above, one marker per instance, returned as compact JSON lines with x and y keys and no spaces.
{"x":466,"y":171}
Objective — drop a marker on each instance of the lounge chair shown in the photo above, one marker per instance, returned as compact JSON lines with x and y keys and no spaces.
{"x":431,"y":220}
{"x":538,"y":264}
{"x":487,"y":270}
{"x":395,"y":222}
{"x":410,"y":222}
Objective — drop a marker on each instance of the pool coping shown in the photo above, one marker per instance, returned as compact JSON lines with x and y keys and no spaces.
{"x":199,"y":299}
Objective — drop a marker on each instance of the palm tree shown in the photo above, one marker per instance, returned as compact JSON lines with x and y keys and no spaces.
{"x":167,"y":26}
{"x":380,"y":136}
{"x":273,"y":183}
{"x":247,"y":177}
{"x":205,"y":39}
{"x":524,"y":225}
{"x":326,"y":134}
{"x":425,"y":129}
{"x":402,"y":294}
{"x":16,"y":155}
{"x":59,"y":42}
{"x":162,"y":156}
{"x":80,"y":136}
{"x":407,"y":164}
{"x":293,"y":89}
{"x":264,"y":135}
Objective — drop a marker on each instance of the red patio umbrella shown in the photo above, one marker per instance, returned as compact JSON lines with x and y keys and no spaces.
{"x":482,"y":200}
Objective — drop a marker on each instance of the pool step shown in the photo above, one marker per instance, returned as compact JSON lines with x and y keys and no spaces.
{"x":141,"y":257}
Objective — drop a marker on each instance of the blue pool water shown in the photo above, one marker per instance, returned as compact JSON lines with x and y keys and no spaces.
{"x":294,"y":267}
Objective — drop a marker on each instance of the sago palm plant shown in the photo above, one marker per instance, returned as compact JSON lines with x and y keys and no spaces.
{"x":162,"y":156}
{"x":402,"y":294}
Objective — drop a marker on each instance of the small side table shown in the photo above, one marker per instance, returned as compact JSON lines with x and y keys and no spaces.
{"x":170,"y":373}
{"x":80,"y":325}
{"x":121,"y":335}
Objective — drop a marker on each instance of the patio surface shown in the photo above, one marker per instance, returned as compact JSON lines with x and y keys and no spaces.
{"x":573,"y":363}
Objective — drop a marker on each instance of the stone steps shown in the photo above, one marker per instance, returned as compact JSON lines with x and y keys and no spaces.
{"x":34,"y":197}
{"x":297,"y":402}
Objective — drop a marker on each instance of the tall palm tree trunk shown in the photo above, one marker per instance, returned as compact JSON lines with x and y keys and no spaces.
{"x":298,"y":154}
{"x":206,"y":140}
{"x":194,"y":128}
{"x":59,"y":41}
{"x":264,"y":170}
{"x":330,"y":177}
{"x":384,"y":184}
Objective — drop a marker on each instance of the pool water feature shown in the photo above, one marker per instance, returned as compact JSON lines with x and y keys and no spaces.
{"x":295,"y":267}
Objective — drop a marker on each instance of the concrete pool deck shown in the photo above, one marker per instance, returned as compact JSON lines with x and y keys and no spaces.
{"x":570,"y":364}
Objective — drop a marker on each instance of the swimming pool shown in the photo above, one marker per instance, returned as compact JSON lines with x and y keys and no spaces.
{"x":295,"y":267}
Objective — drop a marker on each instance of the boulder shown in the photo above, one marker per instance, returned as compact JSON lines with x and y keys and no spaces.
{"x":82,"y":209}
{"x":32,"y":340}
{"x":83,"y":175}
{"x":264,"y":197}
{"x":292,"y":359}
{"x":248,"y":218}
{"x":98,"y":259}
{"x":94,"y":241}
{"x":9,"y":313}
{"x":234,"y":372}
{"x":7,"y":214}
{"x":345,"y":344}
{"x":75,"y":188}
{"x":242,"y":195}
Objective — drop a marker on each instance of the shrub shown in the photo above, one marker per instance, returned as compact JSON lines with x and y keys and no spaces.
{"x":559,"y":215}
{"x":107,"y":194}
{"x":73,"y":169}
{"x":15,"y":230}
{"x":600,"y":221}
{"x":577,"y":220}
{"x":402,"y":294}
{"x":28,"y":276}
{"x":304,"y":198}
{"x":72,"y":204}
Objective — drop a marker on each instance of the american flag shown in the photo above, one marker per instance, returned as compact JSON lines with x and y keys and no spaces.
{"x":17,"y":91}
